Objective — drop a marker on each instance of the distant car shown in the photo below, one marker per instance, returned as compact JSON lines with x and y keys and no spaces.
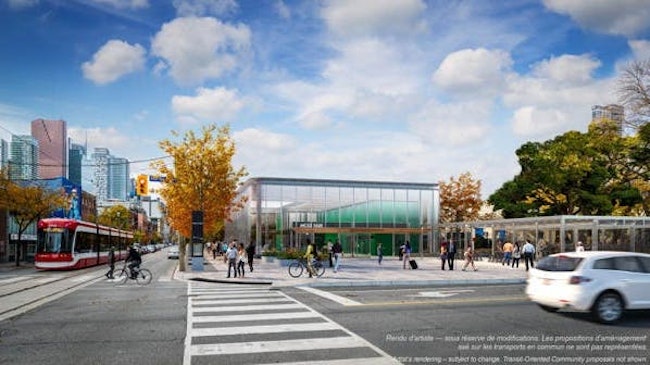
{"x":605,"y":283}
{"x":172,"y":252}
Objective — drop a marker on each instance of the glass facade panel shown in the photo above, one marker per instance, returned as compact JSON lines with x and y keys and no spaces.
{"x":283,"y":213}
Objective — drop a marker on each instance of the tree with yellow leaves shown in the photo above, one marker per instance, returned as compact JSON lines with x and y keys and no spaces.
{"x":460,"y":199}
{"x":27,"y":203}
{"x":201,"y":178}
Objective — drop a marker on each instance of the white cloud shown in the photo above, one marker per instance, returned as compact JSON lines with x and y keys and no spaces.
{"x":113,"y":60}
{"x":557,"y":96}
{"x":124,"y":4}
{"x":453,"y":124}
{"x":197,"y":49}
{"x":211,"y":105}
{"x":374,"y":66}
{"x":640,"y":49}
{"x":112,"y":138}
{"x":567,"y":69}
{"x":205,"y":7}
{"x":532,"y":121}
{"x":367,"y":17}
{"x":624,"y":17}
{"x":21,"y":4}
{"x":282,"y":9}
{"x":261,"y":141}
{"x":473,"y":72}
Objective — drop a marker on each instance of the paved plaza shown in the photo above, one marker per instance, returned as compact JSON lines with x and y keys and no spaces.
{"x":363,"y":271}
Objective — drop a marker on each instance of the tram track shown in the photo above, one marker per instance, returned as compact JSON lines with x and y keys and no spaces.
{"x":17,"y":298}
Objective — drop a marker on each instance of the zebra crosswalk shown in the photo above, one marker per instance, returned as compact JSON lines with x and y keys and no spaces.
{"x":252,"y":324}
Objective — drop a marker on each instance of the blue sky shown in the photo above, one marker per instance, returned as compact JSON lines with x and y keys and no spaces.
{"x":409,"y":90}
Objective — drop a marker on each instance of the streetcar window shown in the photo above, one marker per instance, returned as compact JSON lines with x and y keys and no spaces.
{"x":53,"y":241}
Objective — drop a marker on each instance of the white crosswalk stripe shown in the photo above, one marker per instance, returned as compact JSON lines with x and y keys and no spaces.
{"x":239,"y":324}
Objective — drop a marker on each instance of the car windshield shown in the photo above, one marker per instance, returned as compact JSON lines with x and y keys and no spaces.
{"x":559,"y":263}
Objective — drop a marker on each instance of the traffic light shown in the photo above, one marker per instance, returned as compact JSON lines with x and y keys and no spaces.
{"x":142,"y":185}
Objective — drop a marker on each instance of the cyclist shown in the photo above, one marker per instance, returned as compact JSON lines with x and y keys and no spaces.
{"x":134,"y":259}
{"x":309,"y":256}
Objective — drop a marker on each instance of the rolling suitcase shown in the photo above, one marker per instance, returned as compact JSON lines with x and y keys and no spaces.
{"x":414,"y":265}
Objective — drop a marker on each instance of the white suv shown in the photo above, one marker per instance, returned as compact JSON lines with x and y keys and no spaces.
{"x":603,"y":282}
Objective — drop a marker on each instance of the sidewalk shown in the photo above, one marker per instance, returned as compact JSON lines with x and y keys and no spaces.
{"x":363,"y":272}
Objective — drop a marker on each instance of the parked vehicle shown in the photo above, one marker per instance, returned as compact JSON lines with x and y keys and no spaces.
{"x":605,"y":283}
{"x":172,"y":252}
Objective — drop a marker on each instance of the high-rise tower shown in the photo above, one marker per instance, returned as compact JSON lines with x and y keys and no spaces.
{"x":52,"y":137}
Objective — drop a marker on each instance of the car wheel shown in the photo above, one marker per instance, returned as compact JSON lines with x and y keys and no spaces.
{"x":608,"y":308}
{"x":548,"y":309}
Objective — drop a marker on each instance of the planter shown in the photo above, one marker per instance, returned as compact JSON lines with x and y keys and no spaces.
{"x":285,"y":262}
{"x":269,"y":258}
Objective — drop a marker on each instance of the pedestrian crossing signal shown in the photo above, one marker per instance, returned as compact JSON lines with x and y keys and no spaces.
{"x":142,"y":185}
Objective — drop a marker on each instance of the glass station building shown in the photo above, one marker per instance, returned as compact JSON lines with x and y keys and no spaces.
{"x":282,"y":213}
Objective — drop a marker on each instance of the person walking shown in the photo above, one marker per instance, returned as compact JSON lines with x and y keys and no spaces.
{"x":231,"y":257}
{"x":529,"y":253}
{"x":380,"y":254}
{"x":516,"y":255}
{"x":250,"y":255}
{"x":469,"y":258}
{"x":330,"y":253}
{"x":111,"y":263}
{"x":406,"y":256}
{"x":451,"y":254}
{"x":309,"y":256}
{"x":241,"y":259}
{"x":444,"y":253}
{"x":337,"y":249}
{"x":401,"y":251}
{"x":507,"y":253}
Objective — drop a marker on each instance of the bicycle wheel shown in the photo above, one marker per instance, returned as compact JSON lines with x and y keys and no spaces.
{"x":120,"y":277}
{"x":295,"y":269}
{"x":144,"y":277}
{"x":319,"y":269}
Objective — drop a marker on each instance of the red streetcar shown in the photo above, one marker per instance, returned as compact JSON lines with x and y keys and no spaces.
{"x":65,"y":244}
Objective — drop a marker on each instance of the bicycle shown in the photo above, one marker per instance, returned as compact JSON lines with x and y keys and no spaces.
{"x":297,"y":267}
{"x":142,"y":276}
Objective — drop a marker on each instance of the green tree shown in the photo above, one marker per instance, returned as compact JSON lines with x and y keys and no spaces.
{"x":116,"y":216}
{"x":201,"y":178}
{"x":574,"y":173}
{"x":27,"y":203}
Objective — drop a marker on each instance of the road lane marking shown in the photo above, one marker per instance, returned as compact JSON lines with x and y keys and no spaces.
{"x":276,"y":328}
{"x":277,"y":346}
{"x":217,"y":329}
{"x":441,"y":293}
{"x":251,"y":317}
{"x":517,"y":298}
{"x":244,"y":308}
{"x":331,"y":296}
{"x":356,"y":361}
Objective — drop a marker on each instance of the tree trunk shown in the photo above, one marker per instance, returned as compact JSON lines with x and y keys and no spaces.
{"x":17,"y":255}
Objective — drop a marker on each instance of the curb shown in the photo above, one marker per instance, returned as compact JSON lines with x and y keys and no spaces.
{"x":235,"y":282}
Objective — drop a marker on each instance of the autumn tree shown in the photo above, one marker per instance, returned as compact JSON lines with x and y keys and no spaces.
{"x":26,"y":203}
{"x":201,"y":178}
{"x":460,"y":199}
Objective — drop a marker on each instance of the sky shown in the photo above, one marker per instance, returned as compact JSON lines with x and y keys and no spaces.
{"x":380,"y":90}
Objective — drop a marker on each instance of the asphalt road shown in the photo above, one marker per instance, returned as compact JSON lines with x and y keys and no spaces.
{"x":488,"y":324}
{"x":102,"y":323}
